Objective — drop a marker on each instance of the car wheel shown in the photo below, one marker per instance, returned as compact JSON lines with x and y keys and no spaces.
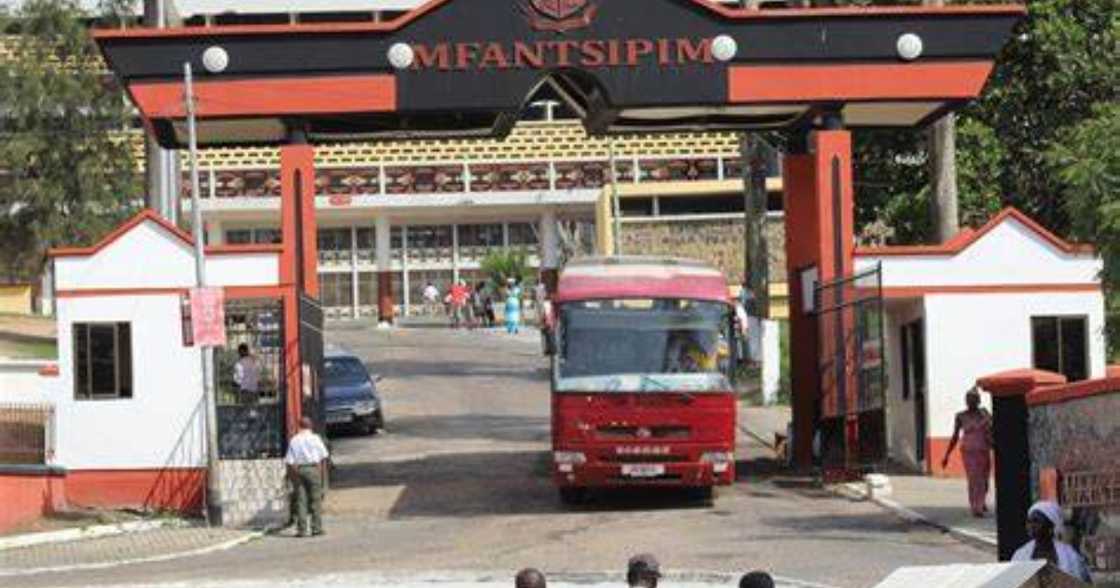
{"x":378,"y":420}
{"x":368,"y":426}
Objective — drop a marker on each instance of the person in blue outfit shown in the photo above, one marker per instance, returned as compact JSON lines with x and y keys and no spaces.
{"x":513,"y":306}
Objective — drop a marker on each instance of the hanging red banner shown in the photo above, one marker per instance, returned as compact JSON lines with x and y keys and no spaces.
{"x":208,"y":317}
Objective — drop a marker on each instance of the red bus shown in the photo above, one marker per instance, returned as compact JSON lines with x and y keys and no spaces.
{"x":642,"y":354}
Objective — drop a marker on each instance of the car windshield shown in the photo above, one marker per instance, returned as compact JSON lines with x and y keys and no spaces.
{"x":344,"y":369}
{"x":643,"y":345}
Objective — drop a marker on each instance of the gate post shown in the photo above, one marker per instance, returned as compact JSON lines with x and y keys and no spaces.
{"x":1012,"y":451}
{"x":819,"y":217}
{"x":299,"y":260}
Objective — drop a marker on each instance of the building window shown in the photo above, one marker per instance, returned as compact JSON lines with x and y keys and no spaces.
{"x":239,"y":237}
{"x":267,"y":236}
{"x":1061,"y":344}
{"x":335,"y":290}
{"x":480,"y":235}
{"x":102,"y":361}
{"x":522,"y":234}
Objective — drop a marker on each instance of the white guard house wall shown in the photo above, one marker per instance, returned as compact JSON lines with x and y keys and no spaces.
{"x":974,"y":298}
{"x":147,"y":450}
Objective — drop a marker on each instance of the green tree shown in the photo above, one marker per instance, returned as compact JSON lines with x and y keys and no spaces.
{"x":501,"y":264}
{"x":67,"y":174}
{"x":1085,"y":161}
{"x":1062,"y":62}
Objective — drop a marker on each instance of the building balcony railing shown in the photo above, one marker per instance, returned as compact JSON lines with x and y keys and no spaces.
{"x":476,"y":177}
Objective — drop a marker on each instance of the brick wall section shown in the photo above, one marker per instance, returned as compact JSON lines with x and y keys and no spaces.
{"x":716,"y":241}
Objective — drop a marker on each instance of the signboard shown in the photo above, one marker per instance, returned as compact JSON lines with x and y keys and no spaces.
{"x":208,"y":317}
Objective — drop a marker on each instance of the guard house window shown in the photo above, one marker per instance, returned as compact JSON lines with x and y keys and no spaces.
{"x":102,"y":361}
{"x":1060,"y":344}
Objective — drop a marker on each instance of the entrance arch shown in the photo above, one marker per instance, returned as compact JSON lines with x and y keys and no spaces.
{"x":459,"y":68}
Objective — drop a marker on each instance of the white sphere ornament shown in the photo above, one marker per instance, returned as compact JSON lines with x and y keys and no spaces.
{"x":215,"y":59}
{"x":909,"y":46}
{"x":724,"y":48}
{"x":401,"y":55}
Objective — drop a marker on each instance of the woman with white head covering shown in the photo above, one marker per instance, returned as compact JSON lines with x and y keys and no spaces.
{"x":1044,"y":525}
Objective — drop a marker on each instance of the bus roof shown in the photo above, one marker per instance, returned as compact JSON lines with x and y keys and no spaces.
{"x":592,"y":278}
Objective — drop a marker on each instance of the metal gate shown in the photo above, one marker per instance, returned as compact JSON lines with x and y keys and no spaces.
{"x":251,"y":424}
{"x":852,"y":424}
{"x":311,"y":355}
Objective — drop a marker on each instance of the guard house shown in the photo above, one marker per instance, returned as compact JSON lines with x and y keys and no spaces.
{"x":1008,"y":295}
{"x":129,"y":394}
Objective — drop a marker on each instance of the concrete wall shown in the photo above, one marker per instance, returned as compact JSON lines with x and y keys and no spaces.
{"x":901,"y":424}
{"x":1010,"y":253}
{"x":28,"y":380}
{"x":149,"y":256}
{"x":717,"y":241}
{"x":29,"y":494}
{"x":972,"y":335}
{"x":162,"y":424}
{"x":16,"y":299}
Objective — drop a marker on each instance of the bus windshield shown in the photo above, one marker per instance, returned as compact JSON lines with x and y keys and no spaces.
{"x":644,"y":345}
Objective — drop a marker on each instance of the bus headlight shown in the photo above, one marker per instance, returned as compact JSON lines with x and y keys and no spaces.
{"x":565,"y":460}
{"x":720,"y":460}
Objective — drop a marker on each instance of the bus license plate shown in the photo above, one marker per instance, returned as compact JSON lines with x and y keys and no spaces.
{"x":643,"y":470}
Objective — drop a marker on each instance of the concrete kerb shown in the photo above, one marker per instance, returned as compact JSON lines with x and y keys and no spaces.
{"x":90,"y":532}
{"x":496,"y":578}
{"x":858,"y":491}
{"x":229,"y":544}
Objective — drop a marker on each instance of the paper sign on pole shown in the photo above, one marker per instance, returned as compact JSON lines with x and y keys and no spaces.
{"x":208,"y":317}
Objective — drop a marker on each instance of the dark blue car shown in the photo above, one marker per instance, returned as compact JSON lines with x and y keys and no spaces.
{"x":350,"y":394}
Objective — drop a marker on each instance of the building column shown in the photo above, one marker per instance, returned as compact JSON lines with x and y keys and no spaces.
{"x":405,"y":294}
{"x":819,"y":247}
{"x":384,"y":258}
{"x":455,"y":253}
{"x":354,"y":271}
{"x":550,"y":250}
{"x":214,"y":234}
{"x":299,"y":260}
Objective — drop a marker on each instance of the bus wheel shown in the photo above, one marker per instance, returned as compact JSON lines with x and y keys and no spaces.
{"x":573,"y":496}
{"x":705,"y":495}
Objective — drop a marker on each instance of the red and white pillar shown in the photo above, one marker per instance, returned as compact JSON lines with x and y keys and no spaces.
{"x":819,"y":244}
{"x":299,"y":262}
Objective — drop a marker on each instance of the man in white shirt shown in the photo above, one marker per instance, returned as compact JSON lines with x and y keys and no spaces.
{"x":247,"y":374}
{"x":307,"y":468}
{"x":431,"y":298}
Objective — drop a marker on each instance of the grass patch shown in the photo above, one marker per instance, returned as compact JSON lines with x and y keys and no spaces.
{"x":29,"y":350}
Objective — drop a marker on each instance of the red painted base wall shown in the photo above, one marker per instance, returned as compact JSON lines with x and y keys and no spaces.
{"x":28,"y":497}
{"x":179,"y":490}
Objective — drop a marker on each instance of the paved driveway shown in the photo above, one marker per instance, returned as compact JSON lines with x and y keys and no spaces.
{"x":459,"y":483}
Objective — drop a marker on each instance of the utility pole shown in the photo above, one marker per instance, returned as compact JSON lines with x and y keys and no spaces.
{"x":614,"y":199}
{"x":943,"y":199}
{"x":756,"y":279}
{"x":161,"y":165}
{"x":213,"y":486}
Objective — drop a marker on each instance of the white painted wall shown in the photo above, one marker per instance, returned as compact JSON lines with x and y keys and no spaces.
{"x":149,"y":256}
{"x":242,"y":269}
{"x":901,"y":424}
{"x":973,"y":335}
{"x":20,"y":381}
{"x":162,"y":424}
{"x":1010,"y":253}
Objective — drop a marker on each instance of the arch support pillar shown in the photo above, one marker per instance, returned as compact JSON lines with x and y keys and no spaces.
{"x":819,"y":218}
